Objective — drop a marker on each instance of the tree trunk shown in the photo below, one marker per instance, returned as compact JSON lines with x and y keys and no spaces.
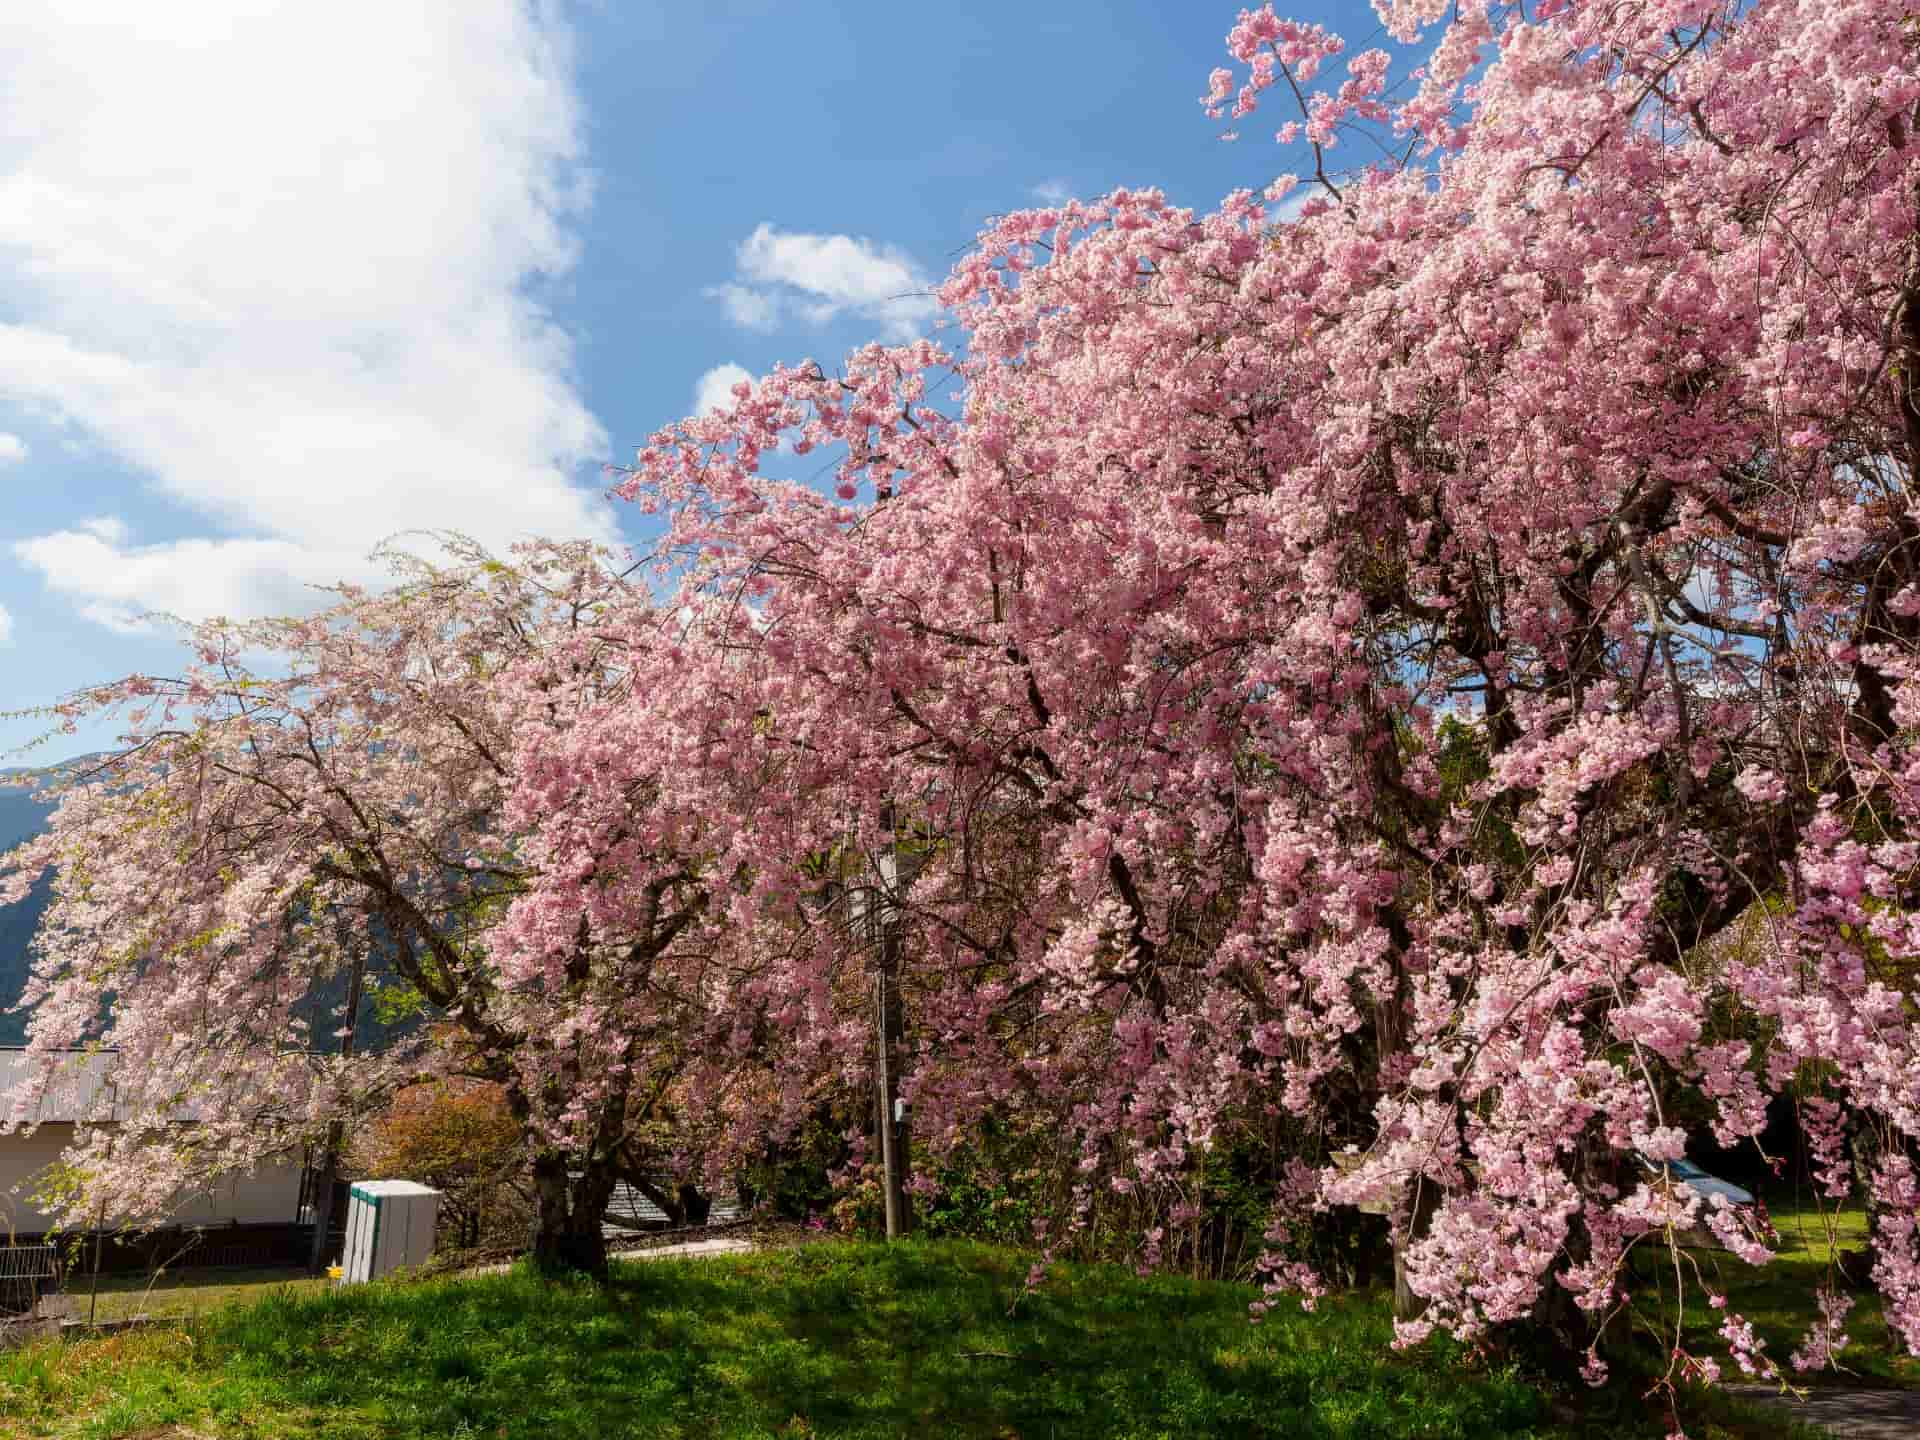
{"x":1413,"y":1211}
{"x":694,"y":1206}
{"x":894,"y":1128}
{"x":1409,"y":1228}
{"x":1557,"y":1316}
{"x":683,"y":1205}
{"x":323,"y":1199}
{"x":567,"y":1236}
{"x":336,"y":1132}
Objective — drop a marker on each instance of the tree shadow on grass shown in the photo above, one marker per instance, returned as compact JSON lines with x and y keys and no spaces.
{"x":842,"y":1340}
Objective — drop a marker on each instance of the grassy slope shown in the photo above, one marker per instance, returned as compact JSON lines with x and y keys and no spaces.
{"x":828,"y":1340}
{"x":178,"y":1293}
{"x":1778,"y":1298}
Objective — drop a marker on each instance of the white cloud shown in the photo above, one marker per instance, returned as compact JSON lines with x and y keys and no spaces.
{"x":114,"y":584}
{"x":748,"y":308}
{"x":110,"y":528}
{"x":12,"y":449}
{"x":1052,"y":192}
{"x":819,"y":277}
{"x":6,"y":626}
{"x":715,"y":388}
{"x":303,"y":314}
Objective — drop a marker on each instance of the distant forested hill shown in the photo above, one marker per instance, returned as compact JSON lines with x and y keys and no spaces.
{"x":22,"y":814}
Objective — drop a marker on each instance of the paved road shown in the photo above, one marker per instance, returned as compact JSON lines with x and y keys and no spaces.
{"x":720,"y":1245}
{"x":1846,"y":1413}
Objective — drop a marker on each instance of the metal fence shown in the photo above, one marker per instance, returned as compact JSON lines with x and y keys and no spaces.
{"x":26,"y":1272}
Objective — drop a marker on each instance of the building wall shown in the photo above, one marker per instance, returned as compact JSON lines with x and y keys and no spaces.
{"x":22,"y":1157}
{"x":271,"y":1194}
{"x":268,"y":1196}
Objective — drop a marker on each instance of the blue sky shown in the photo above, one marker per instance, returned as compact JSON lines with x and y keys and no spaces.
{"x":279,"y":280}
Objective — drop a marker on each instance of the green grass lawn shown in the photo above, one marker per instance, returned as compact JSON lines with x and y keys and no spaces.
{"x":1777,"y":1298}
{"x":825,"y":1340}
{"x":177,"y":1293}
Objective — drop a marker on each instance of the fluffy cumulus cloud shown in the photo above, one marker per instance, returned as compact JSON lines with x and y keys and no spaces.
{"x":118,"y":584}
{"x":12,"y":449}
{"x":747,"y":307}
{"x":715,"y":388}
{"x":310,"y":317}
{"x":1052,"y":192}
{"x":786,"y":275}
{"x":6,"y":626}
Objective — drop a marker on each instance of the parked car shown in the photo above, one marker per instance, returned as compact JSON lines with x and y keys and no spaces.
{"x":1752,"y":1213}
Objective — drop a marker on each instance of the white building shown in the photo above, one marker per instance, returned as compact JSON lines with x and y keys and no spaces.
{"x":84,"y":1090}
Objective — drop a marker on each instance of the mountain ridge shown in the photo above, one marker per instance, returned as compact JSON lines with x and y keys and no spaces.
{"x":23,"y":814}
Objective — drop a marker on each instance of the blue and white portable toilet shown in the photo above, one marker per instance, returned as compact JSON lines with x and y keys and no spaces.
{"x":389,"y":1224}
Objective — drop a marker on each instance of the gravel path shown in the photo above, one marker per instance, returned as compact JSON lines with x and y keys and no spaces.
{"x":1847,"y":1414}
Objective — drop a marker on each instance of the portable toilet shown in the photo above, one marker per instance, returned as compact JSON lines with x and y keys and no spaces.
{"x":389,"y":1224}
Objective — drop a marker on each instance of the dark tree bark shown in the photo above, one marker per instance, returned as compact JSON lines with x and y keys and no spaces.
{"x":568,"y":1234}
{"x":1410,"y":1225}
{"x":336,"y":1132}
{"x":685,"y":1204}
{"x":694,"y":1206}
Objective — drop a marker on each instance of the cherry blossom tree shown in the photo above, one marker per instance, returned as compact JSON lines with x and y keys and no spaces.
{"x":318,"y":790}
{"x":1433,"y":668}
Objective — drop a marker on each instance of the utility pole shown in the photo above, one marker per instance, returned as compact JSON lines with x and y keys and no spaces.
{"x":93,"y":1295}
{"x":336,"y":1130}
{"x":891,"y":1110}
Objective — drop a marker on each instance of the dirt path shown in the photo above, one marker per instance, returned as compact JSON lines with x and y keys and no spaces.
{"x":1847,"y":1414}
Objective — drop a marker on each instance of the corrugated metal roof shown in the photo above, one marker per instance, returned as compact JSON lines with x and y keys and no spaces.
{"x":80,"y":1089}
{"x":629,"y":1204}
